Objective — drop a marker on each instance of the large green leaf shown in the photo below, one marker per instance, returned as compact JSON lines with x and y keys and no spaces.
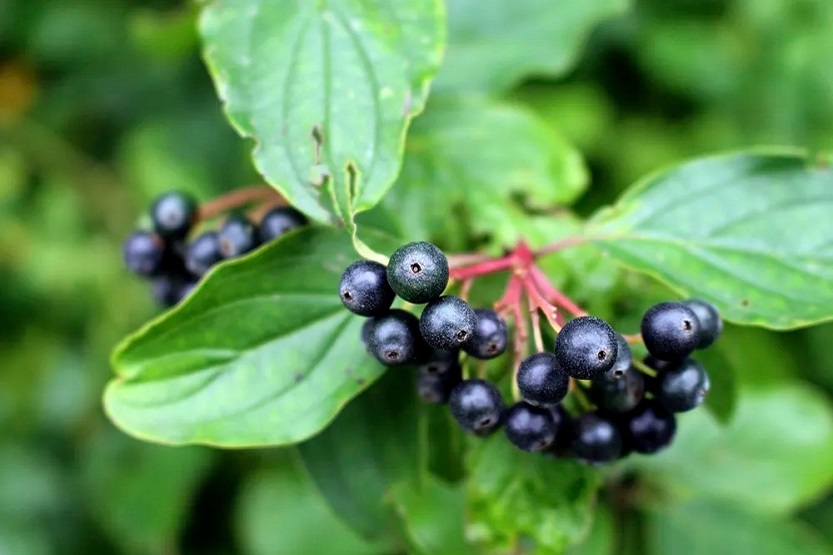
{"x":263,"y":353}
{"x":774,"y":455}
{"x":326,"y":88}
{"x":516,"y":496}
{"x":750,"y":232}
{"x":492,"y":44}
{"x":494,"y":158}
{"x":372,"y":445}
{"x":710,"y":528}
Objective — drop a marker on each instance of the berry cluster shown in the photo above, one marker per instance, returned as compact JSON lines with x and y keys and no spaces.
{"x":621,"y":405}
{"x":173,"y":263}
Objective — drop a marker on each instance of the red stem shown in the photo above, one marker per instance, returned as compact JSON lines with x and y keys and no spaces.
{"x":558,"y":298}
{"x":240,"y":197}
{"x":486,"y":267}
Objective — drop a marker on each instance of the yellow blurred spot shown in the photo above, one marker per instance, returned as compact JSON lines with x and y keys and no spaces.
{"x":17,"y":90}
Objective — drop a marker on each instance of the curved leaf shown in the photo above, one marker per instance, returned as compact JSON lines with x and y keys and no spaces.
{"x":326,"y":88}
{"x":750,"y":232}
{"x":262,"y":353}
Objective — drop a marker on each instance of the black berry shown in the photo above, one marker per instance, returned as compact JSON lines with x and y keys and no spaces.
{"x":367,"y":329}
{"x":364,"y":288}
{"x":682,"y":387}
{"x":711,"y":324}
{"x":439,"y":362}
{"x":624,"y":358}
{"x":447,"y":323}
{"x":436,"y":388}
{"x":476,"y":405}
{"x":586,"y":347}
{"x":278,"y":221}
{"x":670,"y":331}
{"x":173,"y":214}
{"x":529,"y":428}
{"x":202,"y":253}
{"x":394,"y":338}
{"x":595,"y":438}
{"x":237,"y":236}
{"x":541,"y":380}
{"x":169,"y":290}
{"x":564,"y":431}
{"x":144,"y":253}
{"x":649,"y":428}
{"x":618,"y":395}
{"x":490,"y":335}
{"x":418,"y":272}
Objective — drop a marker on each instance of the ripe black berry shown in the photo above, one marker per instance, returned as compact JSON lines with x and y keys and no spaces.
{"x":595,"y":438}
{"x":436,"y":388}
{"x":144,"y":253}
{"x":670,"y":331}
{"x":618,"y":395}
{"x":278,"y":221}
{"x":682,"y":387}
{"x":394,"y":338}
{"x":237,"y":236}
{"x":649,"y":428}
{"x":541,"y":380}
{"x":169,"y":290}
{"x":202,"y":253}
{"x":711,"y":324}
{"x":364,"y":288}
{"x":490,"y":335}
{"x":447,"y":323}
{"x":418,"y":272}
{"x":173,"y":214}
{"x":439,"y":362}
{"x":476,"y":405}
{"x":529,"y":428}
{"x":624,"y":358}
{"x":564,"y":431}
{"x":586,"y":347}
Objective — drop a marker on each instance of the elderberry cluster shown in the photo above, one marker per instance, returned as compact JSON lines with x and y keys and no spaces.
{"x":173,"y":262}
{"x":633,"y":410}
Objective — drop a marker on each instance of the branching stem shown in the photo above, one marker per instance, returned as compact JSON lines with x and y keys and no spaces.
{"x":261,"y":194}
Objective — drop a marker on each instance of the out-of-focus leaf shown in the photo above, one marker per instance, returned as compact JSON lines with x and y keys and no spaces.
{"x":602,"y":538}
{"x":722,"y":395}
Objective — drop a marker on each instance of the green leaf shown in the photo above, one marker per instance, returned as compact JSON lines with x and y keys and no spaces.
{"x":433,"y":515}
{"x":493,"y":44}
{"x":603,"y":536}
{"x":722,"y":395}
{"x":711,"y":528}
{"x":326,"y":89}
{"x":281,"y":512}
{"x":749,"y":232}
{"x":262,"y":353}
{"x":492,"y":157}
{"x":515,"y":497}
{"x":372,"y":445}
{"x":775,"y":454}
{"x":141,"y":493}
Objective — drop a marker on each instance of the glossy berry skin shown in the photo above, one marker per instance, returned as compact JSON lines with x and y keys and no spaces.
{"x":711,"y":324}
{"x":278,"y":222}
{"x":529,"y":428}
{"x":624,"y":358}
{"x":564,"y":431}
{"x":595,"y":438}
{"x":144,"y":253}
{"x":237,"y":236}
{"x":394,"y":338}
{"x":490,"y":335}
{"x":477,"y":406}
{"x":586,"y":347}
{"x":670,"y":331}
{"x":541,"y":380}
{"x":203,"y":253}
{"x":436,"y":388}
{"x":364,"y":289}
{"x":173,"y":214}
{"x":447,"y":323}
{"x":683,"y":387}
{"x":418,"y":272}
{"x":618,"y":395}
{"x":649,"y":428}
{"x":439,"y":362}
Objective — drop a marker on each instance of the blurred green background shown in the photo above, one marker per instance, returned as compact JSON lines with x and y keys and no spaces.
{"x":106,"y":103}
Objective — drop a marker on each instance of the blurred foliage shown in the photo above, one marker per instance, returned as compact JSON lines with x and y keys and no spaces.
{"x":105,"y":103}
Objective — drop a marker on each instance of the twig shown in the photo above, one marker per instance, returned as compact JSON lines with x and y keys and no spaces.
{"x":238,"y":198}
{"x":558,"y":298}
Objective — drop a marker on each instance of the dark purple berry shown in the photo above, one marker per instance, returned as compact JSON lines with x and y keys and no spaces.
{"x":649,"y":428}
{"x":618,"y":395}
{"x":418,"y":272}
{"x":364,"y":289}
{"x":439,"y":362}
{"x":541,"y":380}
{"x":447,"y":323}
{"x":682,"y":387}
{"x":586,"y":347}
{"x":490,"y":335}
{"x":595,"y":438}
{"x":237,"y":236}
{"x":477,"y":406}
{"x":670,"y":331}
{"x":529,"y":428}
{"x":173,"y":214}
{"x":436,"y":388}
{"x":624,"y":358}
{"x":711,"y":324}
{"x":144,"y":253}
{"x":203,"y":253}
{"x":170,"y":290}
{"x":394,"y":338}
{"x":279,"y":221}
